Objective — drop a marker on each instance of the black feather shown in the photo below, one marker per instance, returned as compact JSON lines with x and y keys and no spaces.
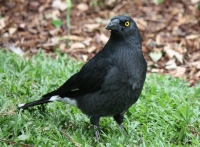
{"x":44,"y":100}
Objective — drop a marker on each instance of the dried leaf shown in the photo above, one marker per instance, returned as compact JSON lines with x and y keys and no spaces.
{"x":141,"y":23}
{"x":110,"y":2}
{"x":171,"y":64}
{"x":48,"y":44}
{"x":172,"y":53}
{"x":53,"y":15}
{"x":59,"y":5}
{"x":172,"y":61}
{"x":70,"y":37}
{"x":180,"y":32}
{"x":12,"y":31}
{"x":102,"y":21}
{"x":82,"y":7}
{"x":91,"y":27}
{"x":194,"y":1}
{"x":180,"y":71}
{"x":87,"y":41}
{"x":85,"y":57}
{"x":195,"y":64}
{"x":156,"y":70}
{"x":2,"y":23}
{"x":103,"y":38}
{"x":193,"y":36}
{"x":91,"y":49}
{"x":54,"y":31}
{"x":155,"y":56}
{"x":22,"y":25}
{"x":198,"y":74}
{"x":15,"y":49}
{"x":158,"y":39}
{"x":62,"y":46}
{"x":77,"y":45}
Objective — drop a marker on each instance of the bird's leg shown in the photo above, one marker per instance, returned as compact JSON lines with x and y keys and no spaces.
{"x":124,"y":129}
{"x":95,"y":121}
{"x":96,"y":132}
{"x":119,"y":119}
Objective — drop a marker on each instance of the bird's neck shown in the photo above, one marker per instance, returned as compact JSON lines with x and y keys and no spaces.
{"x":116,"y":36}
{"x":133,"y":40}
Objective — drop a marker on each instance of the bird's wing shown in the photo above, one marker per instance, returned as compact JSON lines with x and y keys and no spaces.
{"x":87,"y":80}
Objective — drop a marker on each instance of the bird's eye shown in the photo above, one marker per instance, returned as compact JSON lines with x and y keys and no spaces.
{"x":127,"y":23}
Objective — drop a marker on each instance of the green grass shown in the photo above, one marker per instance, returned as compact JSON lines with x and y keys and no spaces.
{"x":167,"y":113}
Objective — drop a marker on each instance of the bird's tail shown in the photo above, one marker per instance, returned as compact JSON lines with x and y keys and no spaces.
{"x":45,"y":99}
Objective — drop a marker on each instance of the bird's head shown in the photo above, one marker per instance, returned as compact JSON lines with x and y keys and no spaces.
{"x":123,"y":26}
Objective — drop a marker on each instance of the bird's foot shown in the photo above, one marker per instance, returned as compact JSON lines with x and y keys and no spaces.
{"x":124,"y":129}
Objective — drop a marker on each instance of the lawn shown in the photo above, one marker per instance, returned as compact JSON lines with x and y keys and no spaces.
{"x":167,"y":113}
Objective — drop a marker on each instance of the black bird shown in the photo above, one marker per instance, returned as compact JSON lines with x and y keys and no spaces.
{"x":111,"y":81}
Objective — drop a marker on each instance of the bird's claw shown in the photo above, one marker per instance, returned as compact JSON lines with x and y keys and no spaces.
{"x":124,"y":129}
{"x":96,"y":133}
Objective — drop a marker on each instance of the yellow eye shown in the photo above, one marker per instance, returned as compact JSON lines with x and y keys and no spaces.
{"x":127,"y":23}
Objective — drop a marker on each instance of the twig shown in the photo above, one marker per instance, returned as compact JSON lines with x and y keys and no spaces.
{"x":72,"y":140}
{"x":12,"y":142}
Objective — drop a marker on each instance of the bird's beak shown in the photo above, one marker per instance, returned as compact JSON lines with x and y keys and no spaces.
{"x":113,"y":25}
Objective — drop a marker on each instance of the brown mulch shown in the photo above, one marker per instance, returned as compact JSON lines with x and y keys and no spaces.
{"x":170,"y":31}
